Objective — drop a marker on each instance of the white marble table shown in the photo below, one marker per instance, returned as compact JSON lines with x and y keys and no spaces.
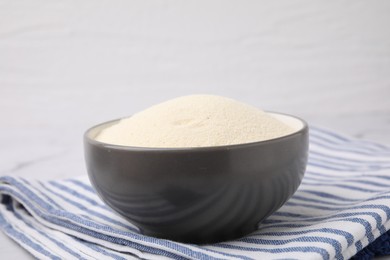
{"x":65,"y":66}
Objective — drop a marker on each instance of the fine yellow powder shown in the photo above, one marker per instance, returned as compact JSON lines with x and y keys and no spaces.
{"x":195,"y":121}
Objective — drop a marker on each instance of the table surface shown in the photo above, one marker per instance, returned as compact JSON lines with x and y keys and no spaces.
{"x":65,"y":66}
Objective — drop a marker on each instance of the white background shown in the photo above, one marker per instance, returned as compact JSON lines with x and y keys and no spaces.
{"x":67,"y":65}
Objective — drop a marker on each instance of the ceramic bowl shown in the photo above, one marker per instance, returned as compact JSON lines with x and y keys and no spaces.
{"x":198,"y":195}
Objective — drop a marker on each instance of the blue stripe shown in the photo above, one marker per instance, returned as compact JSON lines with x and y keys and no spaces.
{"x":348,"y":236}
{"x":335,"y":167}
{"x":343,"y":177}
{"x":302,"y":198}
{"x":143,"y":247}
{"x":319,"y":181}
{"x":86,"y":231}
{"x":78,"y":195}
{"x":361,"y":179}
{"x":376,"y":216}
{"x":175,"y":246}
{"x":90,"y":211}
{"x":331,"y":176}
{"x":364,"y":223}
{"x":349,"y":165}
{"x":58,"y":243}
{"x":83,"y":185}
{"x":308,"y":239}
{"x":347,"y":214}
{"x":323,"y":194}
{"x":344,"y":186}
{"x":358,"y":246}
{"x":348,"y":149}
{"x":202,"y":248}
{"x":158,"y":210}
{"x":340,"y":206}
{"x":50,"y":200}
{"x":362,"y":161}
{"x":23,"y":240}
{"x":98,"y":249}
{"x":297,"y":249}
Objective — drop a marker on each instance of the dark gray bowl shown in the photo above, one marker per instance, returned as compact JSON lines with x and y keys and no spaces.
{"x":198,"y":195}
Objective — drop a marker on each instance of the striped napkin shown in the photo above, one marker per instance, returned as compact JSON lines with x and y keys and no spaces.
{"x":341,"y":207}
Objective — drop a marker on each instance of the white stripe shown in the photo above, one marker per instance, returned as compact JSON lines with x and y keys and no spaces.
{"x":64,"y":239}
{"x":104,"y":211}
{"x":110,"y":245}
{"x":15,"y":223}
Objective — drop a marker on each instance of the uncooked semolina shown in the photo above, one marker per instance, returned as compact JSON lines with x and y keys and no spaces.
{"x":195,"y":121}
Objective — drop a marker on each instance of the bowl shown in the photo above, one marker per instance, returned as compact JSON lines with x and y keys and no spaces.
{"x":198,"y":195}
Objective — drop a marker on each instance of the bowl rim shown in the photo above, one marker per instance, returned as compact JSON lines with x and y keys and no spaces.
{"x":94,"y":142}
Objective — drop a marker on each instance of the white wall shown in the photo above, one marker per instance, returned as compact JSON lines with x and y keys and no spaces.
{"x":65,"y":65}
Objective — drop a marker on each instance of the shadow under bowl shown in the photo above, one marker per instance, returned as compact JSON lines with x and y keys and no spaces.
{"x":198,"y":195}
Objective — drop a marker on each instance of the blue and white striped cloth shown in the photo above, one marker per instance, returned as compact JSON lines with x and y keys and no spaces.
{"x":342,"y":205}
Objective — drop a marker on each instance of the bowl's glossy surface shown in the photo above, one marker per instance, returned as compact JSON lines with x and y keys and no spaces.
{"x":198,"y":195}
